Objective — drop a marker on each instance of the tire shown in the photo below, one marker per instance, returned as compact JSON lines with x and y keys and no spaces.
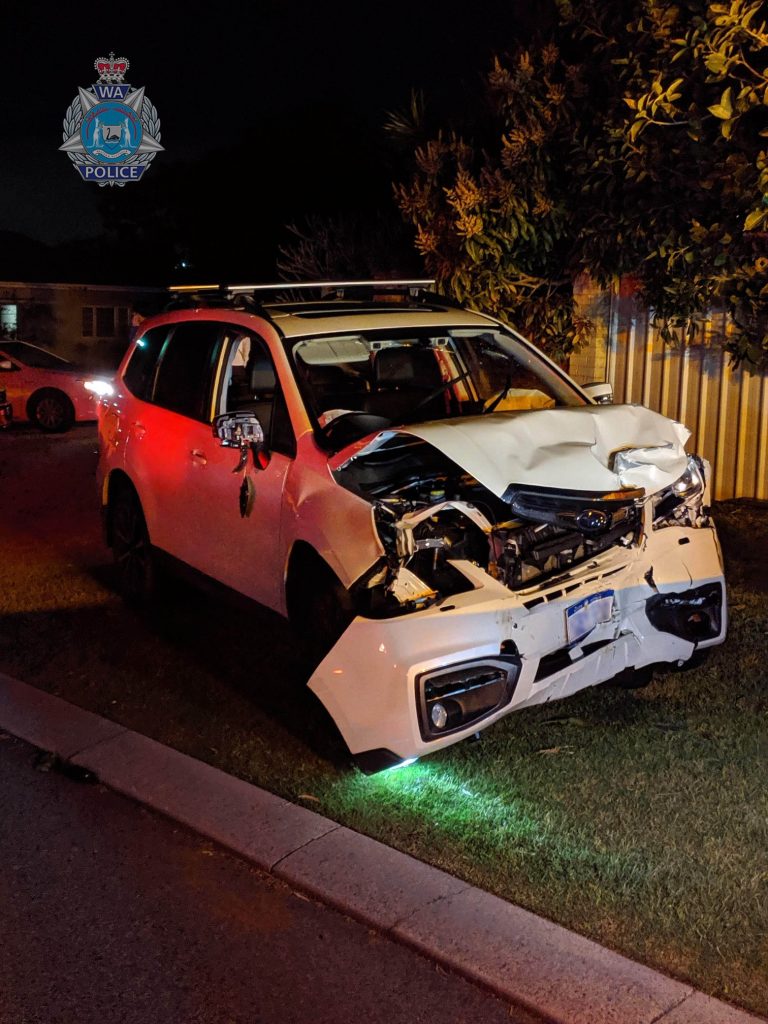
{"x":52,"y":411}
{"x":320,"y":611}
{"x":131,"y":548}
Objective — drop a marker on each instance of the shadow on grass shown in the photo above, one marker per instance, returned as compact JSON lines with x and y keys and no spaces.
{"x":742,"y":525}
{"x":199,"y":669}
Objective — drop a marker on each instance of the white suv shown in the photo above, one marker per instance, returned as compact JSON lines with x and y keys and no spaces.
{"x":454,"y":526}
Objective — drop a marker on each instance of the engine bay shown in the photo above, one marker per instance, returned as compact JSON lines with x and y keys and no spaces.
{"x":429,"y":513}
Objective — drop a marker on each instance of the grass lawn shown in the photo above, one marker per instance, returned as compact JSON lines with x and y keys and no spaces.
{"x":638,"y":818}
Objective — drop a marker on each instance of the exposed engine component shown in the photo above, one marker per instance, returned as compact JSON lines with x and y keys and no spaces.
{"x":429,"y":513}
{"x":429,"y":523}
{"x":558,"y":530}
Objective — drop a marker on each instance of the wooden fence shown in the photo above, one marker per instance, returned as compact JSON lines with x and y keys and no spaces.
{"x":725,"y":409}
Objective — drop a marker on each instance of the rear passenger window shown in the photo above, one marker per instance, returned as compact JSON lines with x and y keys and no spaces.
{"x":139,"y":374}
{"x":187,"y":367}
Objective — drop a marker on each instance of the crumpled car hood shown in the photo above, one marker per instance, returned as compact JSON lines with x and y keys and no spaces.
{"x":588,"y":448}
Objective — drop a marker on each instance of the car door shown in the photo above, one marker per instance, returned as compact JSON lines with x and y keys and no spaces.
{"x":223,"y":522}
{"x":16,"y":380}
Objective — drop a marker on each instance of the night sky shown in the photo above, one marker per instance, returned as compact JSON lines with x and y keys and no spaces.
{"x":269,"y":110}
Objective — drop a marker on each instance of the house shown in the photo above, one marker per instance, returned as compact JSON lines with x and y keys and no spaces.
{"x":87,"y":323}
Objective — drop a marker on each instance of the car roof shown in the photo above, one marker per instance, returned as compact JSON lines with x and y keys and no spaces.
{"x":333,"y":307}
{"x":5,"y":343}
{"x":300,"y":319}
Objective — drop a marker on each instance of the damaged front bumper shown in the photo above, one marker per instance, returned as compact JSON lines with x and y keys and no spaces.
{"x":402,"y":687}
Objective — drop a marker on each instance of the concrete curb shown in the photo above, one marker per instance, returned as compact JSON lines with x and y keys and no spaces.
{"x":525,"y":959}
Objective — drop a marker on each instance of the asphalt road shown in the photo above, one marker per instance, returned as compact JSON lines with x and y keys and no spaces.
{"x":110,"y":913}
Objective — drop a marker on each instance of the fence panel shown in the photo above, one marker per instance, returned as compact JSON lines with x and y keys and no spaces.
{"x":725,"y":409}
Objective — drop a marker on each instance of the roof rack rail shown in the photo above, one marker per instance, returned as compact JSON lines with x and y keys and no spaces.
{"x":251,"y":296}
{"x":282,"y":286}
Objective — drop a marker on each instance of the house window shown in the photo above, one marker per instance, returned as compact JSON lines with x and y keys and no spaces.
{"x":8,"y":320}
{"x":87,"y":321}
{"x":105,"y":321}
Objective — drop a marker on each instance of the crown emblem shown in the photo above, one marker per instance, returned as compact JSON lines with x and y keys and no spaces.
{"x":113,"y":69}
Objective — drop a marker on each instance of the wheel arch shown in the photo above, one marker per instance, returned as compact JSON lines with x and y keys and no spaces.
{"x":39,"y":393}
{"x":305,"y":569}
{"x":115,"y":481}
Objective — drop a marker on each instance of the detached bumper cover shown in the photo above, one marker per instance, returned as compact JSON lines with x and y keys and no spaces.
{"x":371,"y":682}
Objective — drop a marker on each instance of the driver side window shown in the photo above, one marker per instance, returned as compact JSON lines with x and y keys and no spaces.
{"x":251,"y":385}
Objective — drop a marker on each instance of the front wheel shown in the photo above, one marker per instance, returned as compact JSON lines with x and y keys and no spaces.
{"x":52,"y":411}
{"x":320,"y":612}
{"x":131,"y":548}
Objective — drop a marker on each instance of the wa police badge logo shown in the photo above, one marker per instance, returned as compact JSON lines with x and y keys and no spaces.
{"x":111,"y":131}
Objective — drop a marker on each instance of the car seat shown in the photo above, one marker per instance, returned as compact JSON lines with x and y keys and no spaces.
{"x":404,"y":377}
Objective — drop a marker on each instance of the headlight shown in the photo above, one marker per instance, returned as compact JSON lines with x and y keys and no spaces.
{"x":101,"y":388}
{"x":682,"y":504}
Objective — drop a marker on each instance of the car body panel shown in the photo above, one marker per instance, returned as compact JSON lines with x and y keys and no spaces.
{"x":574,"y":449}
{"x":195,"y":510}
{"x":6,"y":410}
{"x":390,"y":654}
{"x":22,"y":382}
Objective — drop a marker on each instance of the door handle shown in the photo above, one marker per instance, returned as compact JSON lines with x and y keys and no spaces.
{"x":198,"y":457}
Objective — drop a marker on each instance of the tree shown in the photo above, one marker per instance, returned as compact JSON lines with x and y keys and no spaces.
{"x":490,"y":204}
{"x":365,"y":246}
{"x":628,"y":141}
{"x":706,"y":107}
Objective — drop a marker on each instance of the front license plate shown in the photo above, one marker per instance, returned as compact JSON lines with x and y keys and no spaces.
{"x":581,"y":618}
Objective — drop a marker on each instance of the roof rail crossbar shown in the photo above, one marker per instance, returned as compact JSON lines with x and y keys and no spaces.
{"x":239,"y":289}
{"x":252,"y":296}
{"x":403,"y":283}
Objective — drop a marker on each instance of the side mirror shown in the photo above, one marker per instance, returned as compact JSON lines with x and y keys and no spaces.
{"x":6,"y":364}
{"x":600,"y":392}
{"x":240,"y":430}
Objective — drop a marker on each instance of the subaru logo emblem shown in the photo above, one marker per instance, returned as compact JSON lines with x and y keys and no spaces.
{"x":593,"y":520}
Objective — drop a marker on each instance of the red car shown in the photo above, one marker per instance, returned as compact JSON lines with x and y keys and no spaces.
{"x":44,"y":388}
{"x":6,"y":412}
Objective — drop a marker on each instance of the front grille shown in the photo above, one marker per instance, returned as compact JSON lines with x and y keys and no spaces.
{"x":555,"y":531}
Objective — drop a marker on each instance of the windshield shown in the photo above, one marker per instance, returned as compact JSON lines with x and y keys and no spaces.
{"x":412,"y":377}
{"x":33,"y":356}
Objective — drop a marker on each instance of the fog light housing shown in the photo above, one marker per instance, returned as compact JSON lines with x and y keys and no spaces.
{"x":460,"y":696}
{"x":693,"y":615}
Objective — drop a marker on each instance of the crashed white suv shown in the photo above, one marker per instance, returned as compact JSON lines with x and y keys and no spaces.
{"x":453,"y":525}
